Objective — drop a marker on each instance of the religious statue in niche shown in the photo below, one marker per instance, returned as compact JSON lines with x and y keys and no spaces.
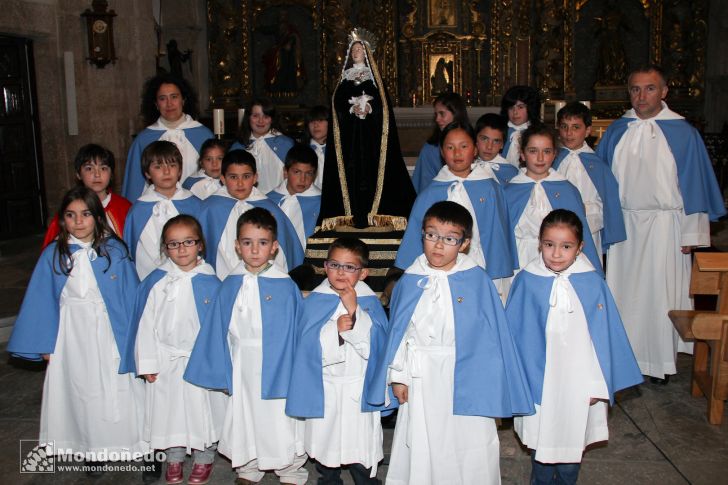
{"x":677,"y":34}
{"x":612,"y":64}
{"x":285,"y":73}
{"x":443,"y":13}
{"x":550,"y":61}
{"x":442,"y":74}
{"x":176,"y":58}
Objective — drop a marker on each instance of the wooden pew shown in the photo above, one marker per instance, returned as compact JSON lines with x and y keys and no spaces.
{"x":709,"y":331}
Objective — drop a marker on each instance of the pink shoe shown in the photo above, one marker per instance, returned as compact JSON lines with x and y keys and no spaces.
{"x":174,"y":473}
{"x":200,"y":474}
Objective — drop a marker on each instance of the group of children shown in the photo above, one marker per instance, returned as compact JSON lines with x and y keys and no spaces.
{"x":236,"y":361}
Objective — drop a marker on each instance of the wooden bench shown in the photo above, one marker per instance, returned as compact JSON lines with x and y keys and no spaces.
{"x":709,"y":331}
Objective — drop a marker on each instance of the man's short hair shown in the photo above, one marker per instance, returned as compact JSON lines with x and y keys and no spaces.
{"x":300,"y":153}
{"x":493,"y":121}
{"x":238,"y":157}
{"x":575,"y":109}
{"x":647,"y":68}
{"x":354,"y":245}
{"x":260,"y":218}
{"x":450,"y":212}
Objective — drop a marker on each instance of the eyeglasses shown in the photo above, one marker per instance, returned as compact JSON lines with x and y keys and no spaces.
{"x":447,"y":240}
{"x":188,"y":243}
{"x":347,"y":268}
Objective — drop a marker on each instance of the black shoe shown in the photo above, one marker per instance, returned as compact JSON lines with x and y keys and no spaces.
{"x":155,"y":473}
{"x":94,"y":468}
{"x":661,"y":382}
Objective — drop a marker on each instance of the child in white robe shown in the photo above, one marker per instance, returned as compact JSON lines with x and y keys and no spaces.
{"x":343,"y":327}
{"x":75,"y":315}
{"x":206,"y":181}
{"x":522,"y":106}
{"x":171,"y":303}
{"x":450,"y":360}
{"x":317,"y":131}
{"x":574,"y":350}
{"x":246,"y":348}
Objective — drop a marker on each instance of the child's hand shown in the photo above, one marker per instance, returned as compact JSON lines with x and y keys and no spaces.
{"x":344,"y":323}
{"x":401,"y":392}
{"x":348,"y":298}
{"x":150,"y":377}
{"x":594,"y":400}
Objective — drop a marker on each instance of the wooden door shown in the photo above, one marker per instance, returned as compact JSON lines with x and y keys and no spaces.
{"x":22,"y":200}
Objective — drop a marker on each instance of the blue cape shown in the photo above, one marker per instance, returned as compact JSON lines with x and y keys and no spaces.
{"x":507,"y":141}
{"x":696,"y":178}
{"x":204,"y":288}
{"x":496,"y":238}
{"x":280,"y":145}
{"x":527,"y":311}
{"x":427,"y":167}
{"x":215,"y":212}
{"x":306,"y":391}
{"x":608,"y":190}
{"x":562,"y":195}
{"x":489,"y":377}
{"x":134,"y":181}
{"x":210,"y":365}
{"x":36,"y":328}
{"x":140,"y":212}
{"x":310,"y":206}
{"x":505,"y":172}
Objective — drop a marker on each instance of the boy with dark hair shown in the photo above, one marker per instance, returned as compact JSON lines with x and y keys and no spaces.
{"x":521,"y":105}
{"x":246,"y":348}
{"x":596,"y":183}
{"x":95,"y":167}
{"x":490,"y":134}
{"x":343,"y":328}
{"x":317,"y":130}
{"x":221,"y":211}
{"x":450,"y":360}
{"x":162,"y":199}
{"x":297,"y":195}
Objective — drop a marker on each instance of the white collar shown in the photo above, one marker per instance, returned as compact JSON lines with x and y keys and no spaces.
{"x":584,"y":148}
{"x":478,"y":172}
{"x":150,"y":194}
{"x":272,"y":133}
{"x":520,"y":127}
{"x":497,"y":160}
{"x":361,"y":288}
{"x":187,"y":122}
{"x":522,"y":178}
{"x":271,"y":272}
{"x":255,"y":194}
{"x":171,"y":268}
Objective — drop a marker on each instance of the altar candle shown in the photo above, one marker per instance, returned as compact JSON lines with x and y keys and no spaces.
{"x":218,"y":121}
{"x":241,"y":116}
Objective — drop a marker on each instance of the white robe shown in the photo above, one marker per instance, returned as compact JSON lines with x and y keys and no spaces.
{"x":148,"y":252}
{"x":321,"y":155}
{"x":87,"y":405}
{"x":565,"y":423}
{"x":268,"y":165}
{"x":514,"y":148}
{"x":573,"y":169}
{"x":291,"y":207}
{"x":177,"y":413}
{"x":647,"y":273}
{"x":255,"y":428}
{"x":204,"y":187}
{"x":431,"y":445}
{"x":345,"y":434}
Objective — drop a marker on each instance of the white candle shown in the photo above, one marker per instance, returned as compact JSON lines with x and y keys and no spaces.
{"x":218,"y":121}
{"x":241,"y":116}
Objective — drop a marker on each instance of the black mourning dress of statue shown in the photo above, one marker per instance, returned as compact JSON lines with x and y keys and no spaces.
{"x":365,"y":179}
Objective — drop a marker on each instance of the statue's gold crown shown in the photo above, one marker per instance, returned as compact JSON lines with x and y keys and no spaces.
{"x":363,"y":35}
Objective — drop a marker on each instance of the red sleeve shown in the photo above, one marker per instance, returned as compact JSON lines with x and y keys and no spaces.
{"x":117,"y":210}
{"x":51,"y":233}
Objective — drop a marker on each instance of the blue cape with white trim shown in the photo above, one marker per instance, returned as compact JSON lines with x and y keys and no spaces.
{"x":210,"y":364}
{"x":427,"y":167}
{"x":216,"y":211}
{"x":527,"y":312}
{"x":489,"y":377}
{"x":204,"y":288}
{"x":306,"y":391}
{"x":36,"y":328}
{"x":562,"y":195}
{"x":491,"y":214}
{"x":608,"y":189}
{"x":140,"y":212}
{"x":696,"y":178}
{"x":279,"y":144}
{"x":310,"y":206}
{"x":134,"y":181}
